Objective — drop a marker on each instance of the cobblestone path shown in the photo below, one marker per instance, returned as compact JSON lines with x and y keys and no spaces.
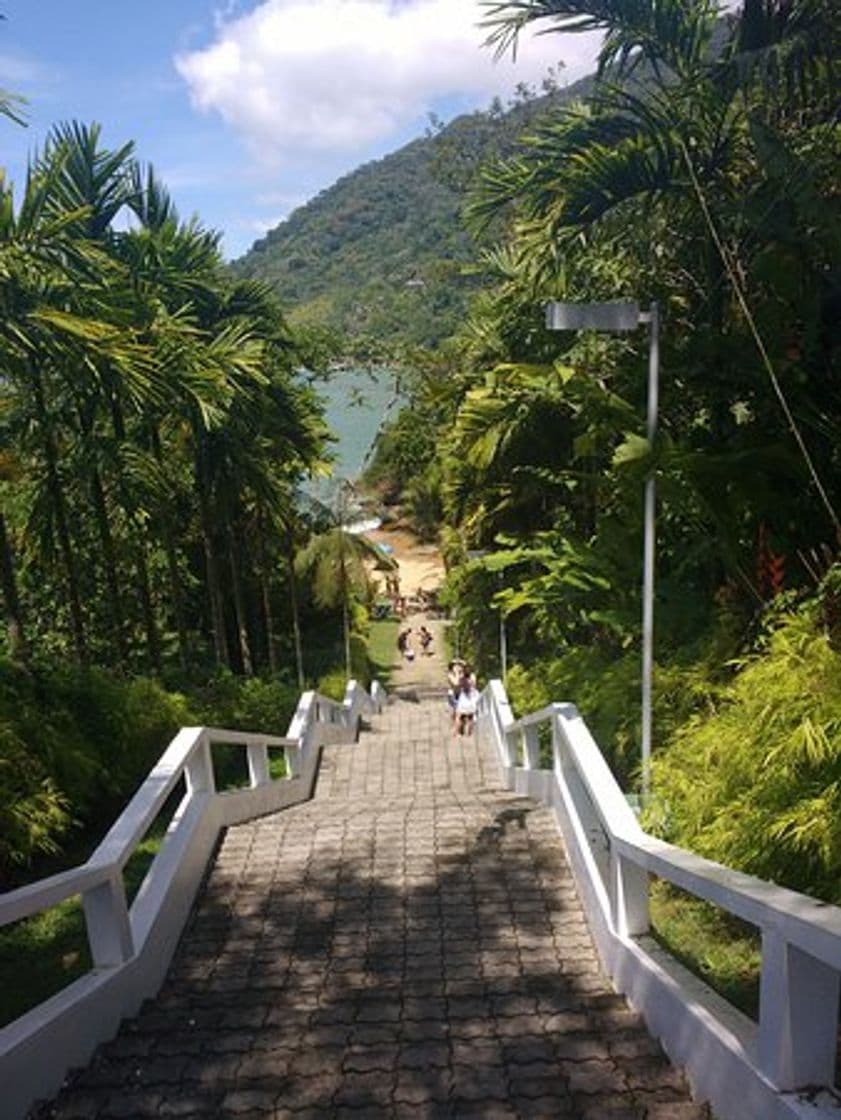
{"x":407,"y":944}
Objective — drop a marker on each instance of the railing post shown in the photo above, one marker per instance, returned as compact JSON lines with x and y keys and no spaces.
{"x":108,"y":924}
{"x":557,"y":746}
{"x":258,"y":764}
{"x":629,"y":886}
{"x":531,"y":743}
{"x":510,"y":738}
{"x":798,"y":1016}
{"x":198,"y":771}
{"x":293,"y":761}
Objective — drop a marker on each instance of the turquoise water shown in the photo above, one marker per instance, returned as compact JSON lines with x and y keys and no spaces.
{"x":357,"y":401}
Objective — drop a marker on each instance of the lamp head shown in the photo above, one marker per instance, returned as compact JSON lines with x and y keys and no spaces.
{"x":592,"y":316}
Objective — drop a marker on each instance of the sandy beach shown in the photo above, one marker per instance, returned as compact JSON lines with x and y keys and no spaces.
{"x":421,"y":567}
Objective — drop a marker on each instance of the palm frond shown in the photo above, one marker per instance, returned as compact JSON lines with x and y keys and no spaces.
{"x":674,"y":32}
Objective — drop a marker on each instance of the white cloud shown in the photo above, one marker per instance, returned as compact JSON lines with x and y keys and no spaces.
{"x":17,"y":69}
{"x":288,"y":200}
{"x":261,"y":226}
{"x":298,"y":76}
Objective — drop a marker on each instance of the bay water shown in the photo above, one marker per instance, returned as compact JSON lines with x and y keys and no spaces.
{"x":356,"y":404}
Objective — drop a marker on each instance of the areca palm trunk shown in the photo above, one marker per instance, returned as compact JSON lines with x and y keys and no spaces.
{"x":266,"y":599}
{"x":14,"y":617}
{"x":150,"y":622}
{"x":268,"y":621}
{"x":214,"y":590}
{"x":59,"y":508}
{"x":147,"y":606}
{"x":175,"y":595}
{"x":296,"y":621}
{"x":109,"y":558}
{"x":106,"y":539}
{"x":240,"y":609}
{"x":174,"y":580}
{"x":212,"y":565}
{"x":343,"y":584}
{"x":346,"y":624}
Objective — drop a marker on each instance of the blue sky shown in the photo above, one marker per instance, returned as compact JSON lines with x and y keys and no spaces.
{"x":247,"y":108}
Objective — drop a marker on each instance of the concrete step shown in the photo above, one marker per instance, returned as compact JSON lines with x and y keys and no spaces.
{"x":416,"y":693}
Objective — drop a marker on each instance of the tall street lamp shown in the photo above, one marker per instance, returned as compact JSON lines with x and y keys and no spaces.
{"x":627,"y":317}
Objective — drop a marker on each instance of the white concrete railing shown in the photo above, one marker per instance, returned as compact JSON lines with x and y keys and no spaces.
{"x":131,"y":947}
{"x":748,"y":1071}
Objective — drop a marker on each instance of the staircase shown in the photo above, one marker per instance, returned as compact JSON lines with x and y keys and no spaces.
{"x":408,"y":943}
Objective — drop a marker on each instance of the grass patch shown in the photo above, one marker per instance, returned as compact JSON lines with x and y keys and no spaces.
{"x":382,"y":647}
{"x":278,"y":766}
{"x":43,"y":954}
{"x":722,"y":950}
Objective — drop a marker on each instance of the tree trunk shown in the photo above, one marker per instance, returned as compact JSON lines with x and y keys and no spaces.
{"x":266,"y":598}
{"x":212,"y":567}
{"x":343,"y":587}
{"x":346,"y":624}
{"x":150,"y":623}
{"x":106,"y":538}
{"x":296,"y":621}
{"x":74,"y":601}
{"x":240,"y":609}
{"x":175,"y":592}
{"x":176,"y":596}
{"x":14,"y":618}
{"x":109,"y":558}
{"x":214,"y":591}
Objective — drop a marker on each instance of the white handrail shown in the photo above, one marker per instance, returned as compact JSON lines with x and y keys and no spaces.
{"x":131,"y":946}
{"x":746,"y":1070}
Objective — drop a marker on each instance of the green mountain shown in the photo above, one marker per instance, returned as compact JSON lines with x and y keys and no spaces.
{"x":381,"y":254}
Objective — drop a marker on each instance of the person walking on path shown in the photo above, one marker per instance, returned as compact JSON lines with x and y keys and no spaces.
{"x":467,"y":702}
{"x":426,"y":670}
{"x":404,"y":644}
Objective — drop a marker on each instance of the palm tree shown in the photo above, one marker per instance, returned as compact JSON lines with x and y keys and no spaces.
{"x":46,"y":324}
{"x":698,"y":174}
{"x":335,"y":562}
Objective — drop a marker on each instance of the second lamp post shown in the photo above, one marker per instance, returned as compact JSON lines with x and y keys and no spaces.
{"x":627,"y":317}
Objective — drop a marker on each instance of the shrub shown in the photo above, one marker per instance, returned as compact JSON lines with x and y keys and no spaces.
{"x":605,"y":691}
{"x":264,"y":705}
{"x":332,"y":684}
{"x":35,"y":813}
{"x":755,"y":781}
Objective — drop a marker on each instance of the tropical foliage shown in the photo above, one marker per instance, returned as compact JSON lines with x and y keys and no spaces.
{"x":157,"y":426}
{"x":700,"y":171}
{"x":154,"y":427}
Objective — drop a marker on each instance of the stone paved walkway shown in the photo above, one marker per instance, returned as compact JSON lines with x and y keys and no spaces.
{"x":408,"y":944}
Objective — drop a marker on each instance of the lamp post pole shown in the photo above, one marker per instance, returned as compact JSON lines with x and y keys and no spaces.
{"x":627,"y":317}
{"x":503,"y":648}
{"x":649,"y":544}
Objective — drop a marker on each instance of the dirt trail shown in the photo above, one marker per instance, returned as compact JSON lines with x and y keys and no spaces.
{"x":421,"y":569}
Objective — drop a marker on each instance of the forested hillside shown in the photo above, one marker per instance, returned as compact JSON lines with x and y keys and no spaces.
{"x":383,"y":255}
